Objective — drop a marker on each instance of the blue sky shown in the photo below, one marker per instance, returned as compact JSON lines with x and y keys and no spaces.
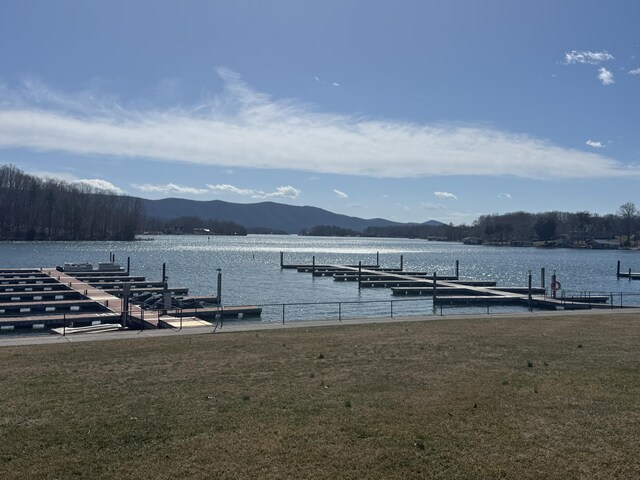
{"x":407,"y":110}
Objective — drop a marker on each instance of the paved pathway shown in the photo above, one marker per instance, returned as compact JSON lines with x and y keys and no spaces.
{"x":234,"y":327}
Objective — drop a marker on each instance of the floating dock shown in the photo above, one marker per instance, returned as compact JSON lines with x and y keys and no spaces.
{"x":629,"y":274}
{"x":51,"y":298}
{"x":449,"y":290}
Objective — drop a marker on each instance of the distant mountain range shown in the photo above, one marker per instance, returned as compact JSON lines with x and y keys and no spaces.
{"x":269,"y":215}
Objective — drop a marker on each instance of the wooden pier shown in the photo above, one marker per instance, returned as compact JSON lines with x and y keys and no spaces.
{"x":449,"y":290}
{"x":51,"y":297}
{"x":31,"y":298}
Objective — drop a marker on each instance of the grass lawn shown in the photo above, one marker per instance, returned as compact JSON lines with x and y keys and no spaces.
{"x":541,"y":397}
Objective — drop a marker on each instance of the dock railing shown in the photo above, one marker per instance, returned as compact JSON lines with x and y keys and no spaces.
{"x":595,"y":298}
{"x":393,"y":308}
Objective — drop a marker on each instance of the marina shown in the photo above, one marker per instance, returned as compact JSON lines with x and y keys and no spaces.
{"x":57,"y":298}
{"x":250,"y":267}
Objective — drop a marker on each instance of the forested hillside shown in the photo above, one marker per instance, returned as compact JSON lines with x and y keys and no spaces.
{"x":33,"y":208}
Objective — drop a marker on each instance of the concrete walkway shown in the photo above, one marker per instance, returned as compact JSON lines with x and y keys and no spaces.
{"x":240,"y":326}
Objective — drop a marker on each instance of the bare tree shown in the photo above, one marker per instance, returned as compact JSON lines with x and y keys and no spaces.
{"x":32,"y":208}
{"x":628,"y":213}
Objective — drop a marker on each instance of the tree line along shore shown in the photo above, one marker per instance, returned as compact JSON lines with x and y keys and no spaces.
{"x":34,"y":208}
{"x":547,"y":229}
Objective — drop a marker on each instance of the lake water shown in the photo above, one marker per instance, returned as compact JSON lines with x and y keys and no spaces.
{"x":252,"y":274}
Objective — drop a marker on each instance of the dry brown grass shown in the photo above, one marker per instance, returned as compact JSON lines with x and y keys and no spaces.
{"x":516,"y":398}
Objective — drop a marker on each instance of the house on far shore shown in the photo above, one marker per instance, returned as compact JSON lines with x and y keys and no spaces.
{"x":521,"y":243}
{"x":175,"y":230}
{"x":472,"y":241}
{"x":201,"y":231}
{"x":609,"y":243}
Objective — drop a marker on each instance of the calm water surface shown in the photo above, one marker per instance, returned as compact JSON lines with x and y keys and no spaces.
{"x":251,"y":272}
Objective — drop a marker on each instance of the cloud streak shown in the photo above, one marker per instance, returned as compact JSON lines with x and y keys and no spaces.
{"x":243,"y":128}
{"x":594,"y":144}
{"x":283,"y":191}
{"x":93,"y":183}
{"x":340,"y":194}
{"x":99,"y":184}
{"x":168,"y":188}
{"x":591,"y":58}
{"x":447,"y":195}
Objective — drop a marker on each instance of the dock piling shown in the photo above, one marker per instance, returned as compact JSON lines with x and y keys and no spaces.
{"x":219,"y":289}
{"x":128,"y":265}
{"x":434,"y":287}
{"x":281,"y":259}
{"x":457,"y":268}
{"x":629,"y":274}
{"x":529,"y":296}
{"x":618,"y":270}
{"x":126,"y":292}
{"x":359,"y":275}
{"x":542,"y":279}
{"x":164,"y":273}
{"x":313,"y":265}
{"x":378,"y":259}
{"x":401,"y":263}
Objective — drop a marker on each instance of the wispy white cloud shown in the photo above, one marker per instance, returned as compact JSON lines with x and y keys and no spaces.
{"x":93,"y":183}
{"x":283,"y":191}
{"x":635,"y":71}
{"x":243,"y":128}
{"x":605,"y":76}
{"x":168,"y":188}
{"x":64,"y":176}
{"x":448,"y":195}
{"x":504,"y":196}
{"x":432,"y":206}
{"x":592,"y":58}
{"x":226,"y":188}
{"x":595,"y":144}
{"x":98,"y":184}
{"x":402,"y":207}
{"x":335,"y":84}
{"x":340,"y":194}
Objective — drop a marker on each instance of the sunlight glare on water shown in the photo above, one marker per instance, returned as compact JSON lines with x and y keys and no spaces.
{"x":252,"y":274}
